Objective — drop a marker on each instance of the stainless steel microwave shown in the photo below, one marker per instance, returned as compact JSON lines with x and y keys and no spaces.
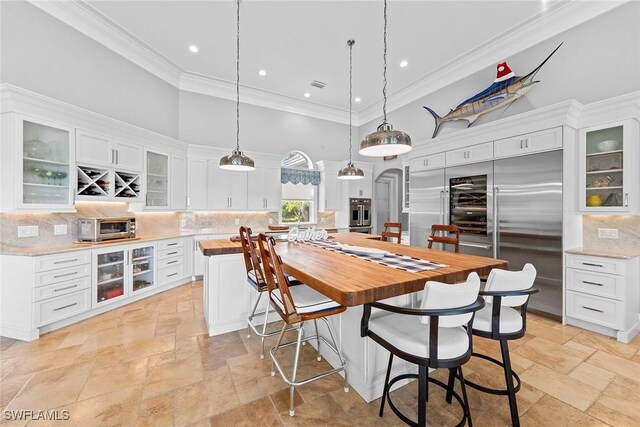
{"x":101,"y":229}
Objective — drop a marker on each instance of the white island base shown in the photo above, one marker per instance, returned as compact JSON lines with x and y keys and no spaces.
{"x":227,"y":302}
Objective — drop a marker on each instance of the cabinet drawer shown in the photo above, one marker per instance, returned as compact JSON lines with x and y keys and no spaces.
{"x":170,"y":262}
{"x":59,"y":308}
{"x":170,"y":244}
{"x":475,"y":153}
{"x":598,"y":310}
{"x":545,"y":140}
{"x":169,"y":275}
{"x":434,"y":161}
{"x":54,"y":262}
{"x":171,"y":253}
{"x":62,"y":288}
{"x":62,"y":275}
{"x":598,"y":264}
{"x":605,"y":285}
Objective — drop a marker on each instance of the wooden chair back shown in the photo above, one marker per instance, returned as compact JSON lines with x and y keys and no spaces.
{"x":392,"y":230}
{"x":251,"y":257}
{"x":445,"y":234}
{"x":277,"y":281}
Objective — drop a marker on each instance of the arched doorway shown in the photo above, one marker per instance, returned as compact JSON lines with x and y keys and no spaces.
{"x":388,"y":197}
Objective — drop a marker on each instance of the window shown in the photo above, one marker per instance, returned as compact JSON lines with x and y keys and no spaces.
{"x":298,"y":203}
{"x":294,"y":211}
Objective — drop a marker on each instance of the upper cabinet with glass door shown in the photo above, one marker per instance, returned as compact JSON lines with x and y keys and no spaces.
{"x":608,"y":168}
{"x":157,"y":180}
{"x":41,"y":176}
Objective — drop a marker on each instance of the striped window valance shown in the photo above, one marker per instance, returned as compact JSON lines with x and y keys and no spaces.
{"x":299,"y":176}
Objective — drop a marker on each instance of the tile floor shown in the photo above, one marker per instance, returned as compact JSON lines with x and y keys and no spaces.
{"x":152,"y":364}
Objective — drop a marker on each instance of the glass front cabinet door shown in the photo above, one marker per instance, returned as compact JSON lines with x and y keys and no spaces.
{"x":110,"y":276}
{"x":143,"y":272}
{"x":157,"y":180}
{"x":608,"y":168}
{"x":44,"y":173}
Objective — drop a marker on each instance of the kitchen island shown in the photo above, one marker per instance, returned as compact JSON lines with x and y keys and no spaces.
{"x":348,"y":280}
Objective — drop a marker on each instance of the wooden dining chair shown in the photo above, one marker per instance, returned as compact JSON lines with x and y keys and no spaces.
{"x":392,"y":230}
{"x":441,"y":233}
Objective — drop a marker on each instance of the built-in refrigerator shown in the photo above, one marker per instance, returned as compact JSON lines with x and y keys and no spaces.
{"x":509,"y":209}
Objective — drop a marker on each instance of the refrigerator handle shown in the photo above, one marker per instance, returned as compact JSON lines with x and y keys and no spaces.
{"x":496,"y":224}
{"x":445,"y":220}
{"x":441,"y":206}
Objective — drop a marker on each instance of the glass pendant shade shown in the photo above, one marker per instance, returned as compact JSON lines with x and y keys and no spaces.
{"x":237,"y":161}
{"x":385,"y":142}
{"x":350,"y":172}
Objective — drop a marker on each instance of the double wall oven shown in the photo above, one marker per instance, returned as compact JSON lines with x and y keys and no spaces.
{"x":360,"y":215}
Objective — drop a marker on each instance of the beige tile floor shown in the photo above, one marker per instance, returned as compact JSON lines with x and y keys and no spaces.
{"x":152,"y":364}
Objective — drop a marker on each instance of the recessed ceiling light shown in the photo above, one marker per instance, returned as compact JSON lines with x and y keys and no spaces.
{"x":357,"y":99}
{"x":193,"y":48}
{"x":307,"y":94}
{"x":403,"y":64}
{"x":262,"y":73}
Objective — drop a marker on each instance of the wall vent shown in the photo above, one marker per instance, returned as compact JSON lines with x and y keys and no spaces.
{"x":319,"y":85}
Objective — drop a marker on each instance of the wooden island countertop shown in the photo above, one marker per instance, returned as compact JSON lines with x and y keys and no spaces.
{"x":354,"y":281}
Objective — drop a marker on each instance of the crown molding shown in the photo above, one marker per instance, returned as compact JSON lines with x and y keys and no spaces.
{"x":206,"y":85}
{"x":560,"y":17}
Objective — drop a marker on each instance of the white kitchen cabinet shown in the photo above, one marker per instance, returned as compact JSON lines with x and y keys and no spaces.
{"x":38,"y":169}
{"x":333,"y":192}
{"x":433,"y":161}
{"x":475,"y":153}
{"x":178,"y":181}
{"x":361,"y":187}
{"x":603,"y":294}
{"x":608,"y":168}
{"x":109,"y":275}
{"x":264,"y":189}
{"x":227,"y":189}
{"x":545,"y":140}
{"x":157,"y":180}
{"x":142,"y":268}
{"x":100,"y":150}
{"x":197,"y":184}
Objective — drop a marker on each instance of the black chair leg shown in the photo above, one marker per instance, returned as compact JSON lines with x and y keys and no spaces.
{"x":385,"y":390}
{"x":423,"y":385}
{"x":467,"y":410}
{"x":452,"y":378}
{"x":508,"y":375}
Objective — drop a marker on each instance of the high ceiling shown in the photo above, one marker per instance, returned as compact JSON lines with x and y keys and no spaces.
{"x":297,"y":42}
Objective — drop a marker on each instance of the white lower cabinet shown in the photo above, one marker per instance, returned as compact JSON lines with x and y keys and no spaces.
{"x":603,"y":294}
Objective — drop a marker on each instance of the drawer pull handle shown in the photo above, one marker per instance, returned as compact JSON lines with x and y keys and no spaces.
{"x":172,"y":253}
{"x":172,"y":244}
{"x":172,"y":262}
{"x":592,"y":264}
{"x":592,"y":283}
{"x":173,"y":274}
{"x":592,"y":309}
{"x":64,"y":289}
{"x":66,"y":306}
{"x":65,"y":275}
{"x":65,"y":261}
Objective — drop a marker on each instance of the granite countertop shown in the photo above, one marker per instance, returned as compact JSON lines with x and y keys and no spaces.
{"x":619,"y":254}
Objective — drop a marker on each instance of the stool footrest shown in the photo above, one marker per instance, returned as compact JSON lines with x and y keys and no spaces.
{"x":499,"y":392}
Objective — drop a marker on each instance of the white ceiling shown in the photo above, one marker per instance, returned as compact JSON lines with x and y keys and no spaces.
{"x":300,"y":41}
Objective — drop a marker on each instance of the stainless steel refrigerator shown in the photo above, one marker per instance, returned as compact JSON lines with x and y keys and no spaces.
{"x":509,"y":209}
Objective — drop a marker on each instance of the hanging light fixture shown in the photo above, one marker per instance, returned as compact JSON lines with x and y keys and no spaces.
{"x":350,"y":171}
{"x":385,"y":141}
{"x":237,"y":161}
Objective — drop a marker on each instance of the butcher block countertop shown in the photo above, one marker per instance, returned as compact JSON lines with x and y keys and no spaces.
{"x":354,"y":281}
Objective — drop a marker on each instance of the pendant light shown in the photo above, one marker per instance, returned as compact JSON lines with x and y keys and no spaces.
{"x":350,"y":171}
{"x":237,"y":161}
{"x":385,"y":141}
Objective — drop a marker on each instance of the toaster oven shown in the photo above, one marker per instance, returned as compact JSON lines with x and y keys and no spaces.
{"x":101,"y":229}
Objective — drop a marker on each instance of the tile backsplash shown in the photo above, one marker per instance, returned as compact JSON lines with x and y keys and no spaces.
{"x":148,"y":223}
{"x":628,"y":232}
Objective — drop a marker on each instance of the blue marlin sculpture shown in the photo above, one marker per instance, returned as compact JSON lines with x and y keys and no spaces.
{"x":505,"y":89}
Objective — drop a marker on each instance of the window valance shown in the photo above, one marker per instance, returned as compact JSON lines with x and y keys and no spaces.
{"x":299,"y":176}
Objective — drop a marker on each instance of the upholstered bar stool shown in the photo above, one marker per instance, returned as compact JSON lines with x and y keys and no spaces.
{"x":255,"y":278}
{"x":437,"y":335}
{"x":445,"y":234}
{"x":499,"y":320}
{"x":297,"y":305}
{"x":392,"y":230}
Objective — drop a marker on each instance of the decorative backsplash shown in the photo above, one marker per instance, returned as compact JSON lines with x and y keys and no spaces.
{"x":147,"y":223}
{"x":628,"y":232}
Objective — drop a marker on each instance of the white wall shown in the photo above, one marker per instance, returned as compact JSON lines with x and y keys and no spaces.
{"x":46,"y":56}
{"x":206,"y":120}
{"x":599,"y":59}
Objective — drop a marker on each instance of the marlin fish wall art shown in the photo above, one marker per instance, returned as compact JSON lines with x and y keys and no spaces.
{"x":505,"y":89}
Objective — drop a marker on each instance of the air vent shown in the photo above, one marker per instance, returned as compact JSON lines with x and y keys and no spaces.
{"x":319,"y":85}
